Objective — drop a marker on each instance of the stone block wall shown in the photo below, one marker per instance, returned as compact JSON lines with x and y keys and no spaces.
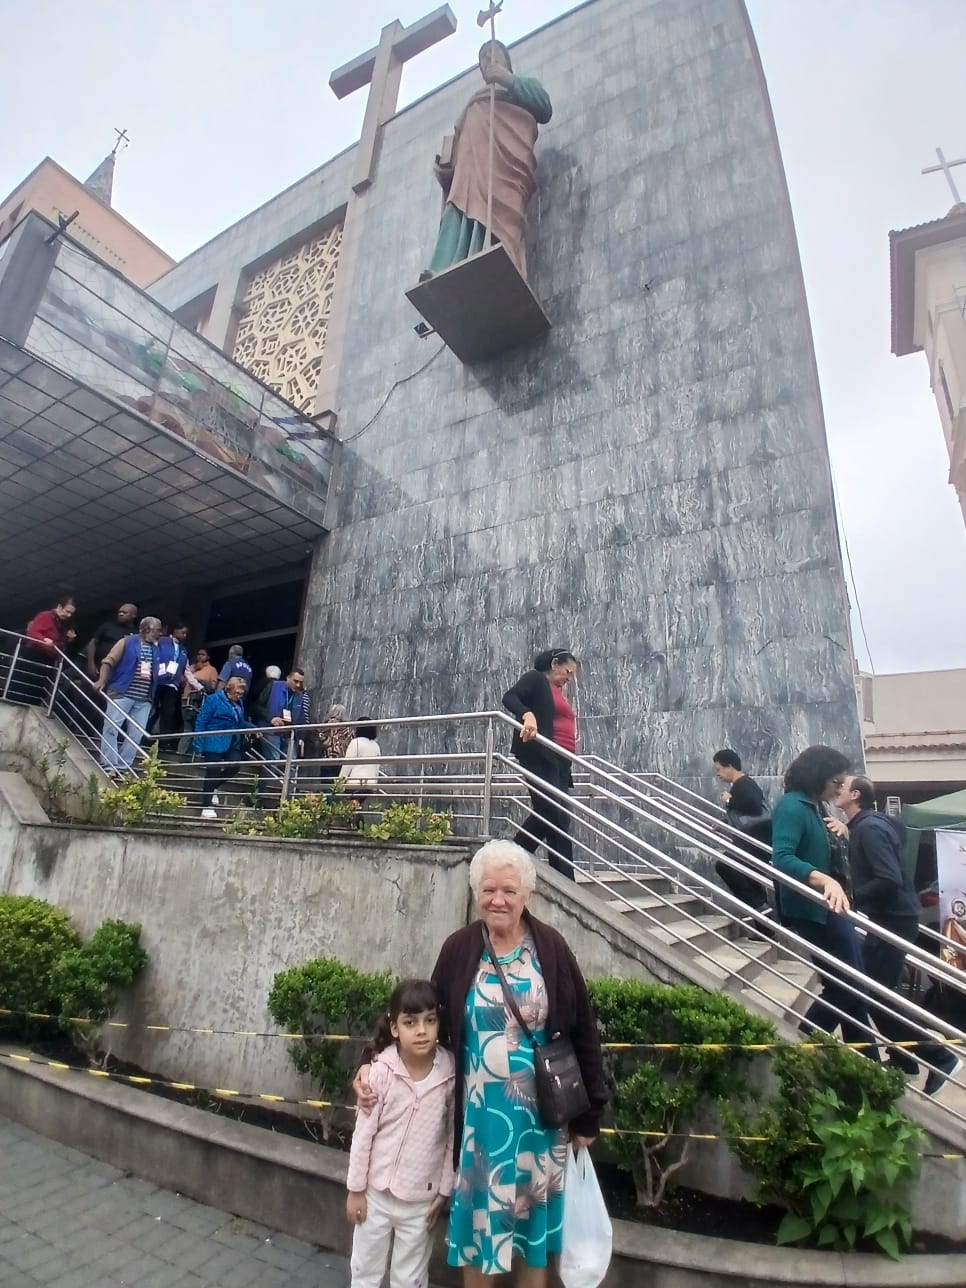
{"x":650,"y":484}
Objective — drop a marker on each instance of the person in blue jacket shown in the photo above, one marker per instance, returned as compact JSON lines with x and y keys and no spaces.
{"x":801,"y":847}
{"x":222,"y":716}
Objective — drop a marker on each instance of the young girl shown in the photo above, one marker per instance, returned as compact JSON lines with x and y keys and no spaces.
{"x":401,"y":1161}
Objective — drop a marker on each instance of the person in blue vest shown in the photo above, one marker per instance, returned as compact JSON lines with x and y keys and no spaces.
{"x":129,"y":677}
{"x":222,"y":716}
{"x":236,"y":668}
{"x":286,"y":704}
{"x":172,"y":664}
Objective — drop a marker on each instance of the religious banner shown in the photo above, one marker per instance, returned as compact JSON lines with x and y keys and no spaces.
{"x":951,"y":869}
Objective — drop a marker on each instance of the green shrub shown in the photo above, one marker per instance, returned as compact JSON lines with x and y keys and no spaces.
{"x":412,"y":824}
{"x":326,"y":996}
{"x":45,"y":968}
{"x":87,"y":977}
{"x":34,"y":936}
{"x":837,"y":1152}
{"x":305,"y":817}
{"x":135,"y":801}
{"x":662,"y":1092}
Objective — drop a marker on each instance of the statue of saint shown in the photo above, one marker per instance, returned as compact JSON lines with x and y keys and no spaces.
{"x":521,"y":104}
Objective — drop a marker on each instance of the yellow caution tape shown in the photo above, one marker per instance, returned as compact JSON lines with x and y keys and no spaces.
{"x":227,"y":1093}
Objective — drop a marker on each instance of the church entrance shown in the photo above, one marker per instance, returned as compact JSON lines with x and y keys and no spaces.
{"x":264,"y":620}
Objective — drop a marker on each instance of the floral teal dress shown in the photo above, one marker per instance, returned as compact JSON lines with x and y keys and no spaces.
{"x":508,"y":1198}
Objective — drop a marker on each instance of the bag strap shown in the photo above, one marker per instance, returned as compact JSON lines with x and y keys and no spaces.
{"x":511,"y":1001}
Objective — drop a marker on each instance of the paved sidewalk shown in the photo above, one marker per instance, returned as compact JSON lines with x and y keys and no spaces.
{"x":68,"y":1221}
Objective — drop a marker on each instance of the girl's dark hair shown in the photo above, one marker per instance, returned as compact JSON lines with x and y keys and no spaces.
{"x":810,"y":771}
{"x":366,"y":731}
{"x":545,"y":660}
{"x":409,"y":997}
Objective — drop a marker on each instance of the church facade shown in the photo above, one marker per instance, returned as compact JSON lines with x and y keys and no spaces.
{"x":648,"y":483}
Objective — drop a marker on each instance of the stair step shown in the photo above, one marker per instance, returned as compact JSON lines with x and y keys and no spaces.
{"x":780,"y":996}
{"x":655,"y":908}
{"x":725,"y":961}
{"x":692,"y":932}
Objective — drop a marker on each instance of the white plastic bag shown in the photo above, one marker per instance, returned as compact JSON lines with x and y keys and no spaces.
{"x":587,"y":1234}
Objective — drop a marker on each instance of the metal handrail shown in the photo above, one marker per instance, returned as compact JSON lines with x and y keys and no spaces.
{"x":501,"y":777}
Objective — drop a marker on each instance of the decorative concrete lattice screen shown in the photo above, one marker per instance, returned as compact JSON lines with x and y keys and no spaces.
{"x":286,"y":312}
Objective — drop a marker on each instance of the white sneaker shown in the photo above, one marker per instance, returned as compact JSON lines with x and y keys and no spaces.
{"x":209,"y":813}
{"x":214,"y":799}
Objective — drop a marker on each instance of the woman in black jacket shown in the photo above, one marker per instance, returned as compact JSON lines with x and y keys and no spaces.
{"x":539,"y":703}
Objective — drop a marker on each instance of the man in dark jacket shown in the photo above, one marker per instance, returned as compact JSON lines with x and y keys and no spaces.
{"x":883,"y":890}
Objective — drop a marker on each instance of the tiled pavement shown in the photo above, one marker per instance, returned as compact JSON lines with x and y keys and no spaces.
{"x":68,"y":1221}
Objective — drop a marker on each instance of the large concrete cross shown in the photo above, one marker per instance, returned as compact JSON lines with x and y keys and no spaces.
{"x":381,"y":69}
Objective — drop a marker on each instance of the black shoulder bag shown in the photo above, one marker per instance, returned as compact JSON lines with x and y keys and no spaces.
{"x":561,"y":1094}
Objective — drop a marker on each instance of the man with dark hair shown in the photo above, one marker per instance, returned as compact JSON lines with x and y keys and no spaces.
{"x":883,"y":890}
{"x":172,"y":665}
{"x":107,"y":635}
{"x":283,"y":706}
{"x":49,"y":633}
{"x":746,"y":810}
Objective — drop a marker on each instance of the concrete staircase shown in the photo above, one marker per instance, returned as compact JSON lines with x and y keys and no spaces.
{"x":750,"y":965}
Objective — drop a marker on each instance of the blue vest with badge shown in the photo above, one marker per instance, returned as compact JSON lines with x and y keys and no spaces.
{"x":126,"y":669}
{"x":172,"y":661}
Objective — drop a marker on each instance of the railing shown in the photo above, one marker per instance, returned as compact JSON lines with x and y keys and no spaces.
{"x":630,"y":829}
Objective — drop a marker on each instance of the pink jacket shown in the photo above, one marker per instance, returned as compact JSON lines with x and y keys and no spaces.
{"x":405,"y":1143}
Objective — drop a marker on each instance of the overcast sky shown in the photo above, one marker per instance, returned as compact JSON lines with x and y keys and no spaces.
{"x":227,"y":102}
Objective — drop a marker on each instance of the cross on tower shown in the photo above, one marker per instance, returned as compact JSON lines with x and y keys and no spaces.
{"x":381,"y":69}
{"x":946,"y":167}
{"x":122,"y":140}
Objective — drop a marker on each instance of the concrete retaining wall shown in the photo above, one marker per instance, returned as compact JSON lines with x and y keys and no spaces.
{"x":298,"y":1188}
{"x":222,"y":915}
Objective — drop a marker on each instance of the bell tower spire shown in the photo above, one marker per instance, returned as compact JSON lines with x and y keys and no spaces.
{"x":101,"y":182}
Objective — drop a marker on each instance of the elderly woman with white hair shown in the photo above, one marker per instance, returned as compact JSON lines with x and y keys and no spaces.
{"x":508,"y":1198}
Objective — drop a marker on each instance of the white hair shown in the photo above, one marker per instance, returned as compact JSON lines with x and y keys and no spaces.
{"x":503,"y":854}
{"x":273,"y":672}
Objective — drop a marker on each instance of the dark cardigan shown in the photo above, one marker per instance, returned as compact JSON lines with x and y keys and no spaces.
{"x":570,"y":1014}
{"x":532,"y":693}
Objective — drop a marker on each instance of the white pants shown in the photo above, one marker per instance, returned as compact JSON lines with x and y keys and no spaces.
{"x":386,"y":1217}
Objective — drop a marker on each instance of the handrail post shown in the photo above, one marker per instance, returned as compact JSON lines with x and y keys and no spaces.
{"x":53,"y":688}
{"x":289,"y":765}
{"x":487,"y":803}
{"x":13,"y":667}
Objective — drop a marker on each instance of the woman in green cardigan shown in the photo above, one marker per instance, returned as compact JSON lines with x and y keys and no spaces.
{"x":801,"y":848}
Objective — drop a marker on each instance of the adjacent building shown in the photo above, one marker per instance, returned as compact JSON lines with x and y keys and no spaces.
{"x":929,"y":316}
{"x":914,"y":730}
{"x":49,"y":190}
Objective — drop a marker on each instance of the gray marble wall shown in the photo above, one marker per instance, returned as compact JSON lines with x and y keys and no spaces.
{"x":650,"y":484}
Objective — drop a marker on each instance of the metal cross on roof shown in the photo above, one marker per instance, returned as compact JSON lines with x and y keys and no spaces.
{"x":946,"y":167}
{"x":122,"y":140}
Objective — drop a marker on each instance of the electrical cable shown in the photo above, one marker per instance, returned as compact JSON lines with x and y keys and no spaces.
{"x":392,"y":389}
